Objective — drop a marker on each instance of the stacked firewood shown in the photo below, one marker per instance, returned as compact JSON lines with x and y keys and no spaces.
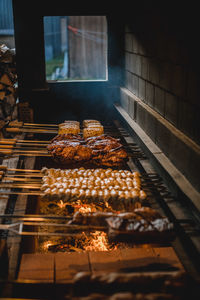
{"x":8,"y":84}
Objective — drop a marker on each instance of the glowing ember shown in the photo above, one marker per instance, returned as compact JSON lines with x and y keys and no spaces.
{"x":85,"y":209}
{"x":46,"y":245}
{"x":93,"y":241}
{"x":61,"y":204}
{"x":96,"y":242}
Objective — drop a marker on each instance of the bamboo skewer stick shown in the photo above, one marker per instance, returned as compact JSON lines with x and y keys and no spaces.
{"x":18,"y":130}
{"x":17,"y":228}
{"x":14,"y":141}
{"x":35,"y":217}
{"x":30,"y":154}
{"x":33,"y":233}
{"x":21,"y":193}
{"x":32,"y":148}
{"x":39,"y":127}
{"x":67,"y":226}
{"x":28,"y":217}
{"x":19,"y":170}
{"x":33,"y":145}
{"x":33,"y":141}
{"x":40,"y":124}
{"x":12,"y":149}
{"x":25,"y":145}
{"x":4,"y":185}
{"x":21,"y":179}
{"x":39,"y":176}
{"x":22,"y":124}
{"x":24,"y":148}
{"x":23,"y":152}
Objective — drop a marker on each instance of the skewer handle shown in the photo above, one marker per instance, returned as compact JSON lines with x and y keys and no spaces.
{"x":6,"y":151}
{"x":13,"y":129}
{"x":2,"y":173}
{"x":43,"y":125}
{"x":6,"y":147}
{"x":7,"y":141}
{"x":15,"y":123}
{"x":3,"y":167}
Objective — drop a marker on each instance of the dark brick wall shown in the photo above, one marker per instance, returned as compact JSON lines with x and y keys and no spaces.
{"x":161,"y":66}
{"x":162,"y":70}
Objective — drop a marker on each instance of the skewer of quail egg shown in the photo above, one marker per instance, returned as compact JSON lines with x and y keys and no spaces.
{"x":117,"y":187}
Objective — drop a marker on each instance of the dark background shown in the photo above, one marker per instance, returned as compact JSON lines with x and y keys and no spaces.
{"x":54,"y":102}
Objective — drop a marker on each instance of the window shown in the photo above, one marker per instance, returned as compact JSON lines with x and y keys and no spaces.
{"x":6,"y":24}
{"x":75,"y":48}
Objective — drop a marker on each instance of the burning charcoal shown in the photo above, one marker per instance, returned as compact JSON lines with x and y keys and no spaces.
{"x":70,"y":209}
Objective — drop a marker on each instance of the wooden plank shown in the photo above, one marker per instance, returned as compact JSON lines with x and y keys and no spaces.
{"x":68,"y":264}
{"x":20,"y":208}
{"x":167,"y":256}
{"x":39,"y":267}
{"x":108,"y":261}
{"x":138,"y":259}
{"x":141,"y":259}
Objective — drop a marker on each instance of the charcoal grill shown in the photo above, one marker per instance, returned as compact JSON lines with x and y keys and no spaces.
{"x":181,"y":212}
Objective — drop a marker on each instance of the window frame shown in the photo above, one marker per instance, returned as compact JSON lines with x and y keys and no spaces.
{"x":49,"y":81}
